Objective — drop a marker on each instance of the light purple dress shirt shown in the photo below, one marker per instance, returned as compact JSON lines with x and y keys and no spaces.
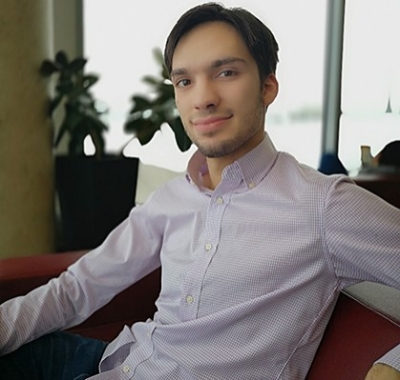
{"x":250,"y":272}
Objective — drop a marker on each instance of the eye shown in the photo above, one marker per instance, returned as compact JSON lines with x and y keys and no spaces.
{"x":227,"y":73}
{"x":182,"y":83}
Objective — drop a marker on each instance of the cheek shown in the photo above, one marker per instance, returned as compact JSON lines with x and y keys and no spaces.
{"x":246,"y":93}
{"x":181,"y":106}
{"x":178,"y":102}
{"x":182,"y":113}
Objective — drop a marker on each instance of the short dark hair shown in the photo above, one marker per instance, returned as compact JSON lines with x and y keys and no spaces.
{"x":258,"y":38}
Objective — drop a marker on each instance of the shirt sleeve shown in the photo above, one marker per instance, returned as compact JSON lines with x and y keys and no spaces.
{"x":363,"y":238}
{"x":362,"y":235}
{"x":391,"y":358}
{"x":129,"y":253}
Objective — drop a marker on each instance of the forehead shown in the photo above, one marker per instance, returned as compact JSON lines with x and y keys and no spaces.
{"x":209,"y":42}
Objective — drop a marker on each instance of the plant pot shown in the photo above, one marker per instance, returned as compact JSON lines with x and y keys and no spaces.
{"x":94,"y":197}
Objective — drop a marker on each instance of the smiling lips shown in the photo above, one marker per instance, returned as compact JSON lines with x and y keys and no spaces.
{"x":209,"y":124}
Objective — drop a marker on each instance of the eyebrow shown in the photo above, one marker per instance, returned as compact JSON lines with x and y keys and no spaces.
{"x":226,"y":61}
{"x":214,"y":65}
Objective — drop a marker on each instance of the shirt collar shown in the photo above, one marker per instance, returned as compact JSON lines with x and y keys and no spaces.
{"x":252,"y":167}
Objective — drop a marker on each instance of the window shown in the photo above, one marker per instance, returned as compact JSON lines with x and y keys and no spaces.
{"x":118,"y":40}
{"x":371,"y":79}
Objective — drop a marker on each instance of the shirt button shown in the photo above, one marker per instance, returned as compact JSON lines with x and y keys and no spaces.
{"x":126,"y":368}
{"x":189,"y":299}
{"x":220,"y":200}
{"x":208,"y":246}
{"x":251,"y":185}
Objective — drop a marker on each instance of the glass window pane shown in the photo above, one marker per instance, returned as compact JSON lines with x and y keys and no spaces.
{"x":371,"y":79}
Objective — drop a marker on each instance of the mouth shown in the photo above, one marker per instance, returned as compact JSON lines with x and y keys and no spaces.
{"x":211,"y":123}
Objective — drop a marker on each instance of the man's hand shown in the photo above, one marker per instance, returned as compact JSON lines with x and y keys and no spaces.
{"x":382,"y":372}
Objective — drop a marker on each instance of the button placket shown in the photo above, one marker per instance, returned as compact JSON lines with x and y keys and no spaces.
{"x":191,"y":289}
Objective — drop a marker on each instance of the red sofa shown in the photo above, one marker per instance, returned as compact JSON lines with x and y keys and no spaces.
{"x":356,"y":335}
{"x":387,"y":186}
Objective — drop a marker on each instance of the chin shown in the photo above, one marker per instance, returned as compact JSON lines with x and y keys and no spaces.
{"x":218,"y":150}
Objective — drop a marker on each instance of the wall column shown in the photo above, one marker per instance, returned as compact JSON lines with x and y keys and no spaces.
{"x":26,"y":160}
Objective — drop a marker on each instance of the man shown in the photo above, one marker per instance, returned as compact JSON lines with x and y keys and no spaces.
{"x":254,"y":247}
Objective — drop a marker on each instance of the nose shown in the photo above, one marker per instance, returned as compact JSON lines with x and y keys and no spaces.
{"x":205,"y":95}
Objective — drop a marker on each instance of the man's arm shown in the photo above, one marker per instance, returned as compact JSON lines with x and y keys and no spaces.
{"x":364,"y":242}
{"x":129,"y":253}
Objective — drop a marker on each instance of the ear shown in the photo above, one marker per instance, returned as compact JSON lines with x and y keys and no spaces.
{"x":270,"y":89}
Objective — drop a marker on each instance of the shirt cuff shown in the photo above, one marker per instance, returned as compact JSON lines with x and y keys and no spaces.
{"x":391,"y":358}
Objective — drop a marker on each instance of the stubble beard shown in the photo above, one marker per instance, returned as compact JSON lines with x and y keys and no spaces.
{"x":254,"y":119}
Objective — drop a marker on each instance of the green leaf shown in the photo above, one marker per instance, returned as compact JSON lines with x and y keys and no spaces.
{"x":95,"y":121}
{"x":151,"y":80}
{"x":89,"y":80}
{"x":140,"y":103}
{"x":77,"y":65}
{"x":98,"y":141}
{"x":48,"y":68}
{"x":55,"y":102}
{"x":61,"y":132}
{"x":145,"y":135}
{"x":65,"y":87}
{"x":73,"y":118}
{"x":158,"y":56}
{"x":81,"y":117}
{"x":62,"y":58}
{"x":181,"y":138}
{"x":80,"y":97}
{"x":76,"y":144}
{"x":145,"y":124}
{"x":142,"y":128}
{"x":69,"y":124}
{"x":134,"y":124}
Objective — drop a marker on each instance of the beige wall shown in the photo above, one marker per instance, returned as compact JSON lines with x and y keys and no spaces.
{"x":26,"y":158}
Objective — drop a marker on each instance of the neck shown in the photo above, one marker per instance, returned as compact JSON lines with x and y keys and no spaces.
{"x":215,"y":169}
{"x":218,"y":164}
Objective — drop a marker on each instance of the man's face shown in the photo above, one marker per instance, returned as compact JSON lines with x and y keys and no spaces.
{"x":218,"y":91}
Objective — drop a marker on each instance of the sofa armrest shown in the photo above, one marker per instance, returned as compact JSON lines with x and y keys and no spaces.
{"x":355,"y":338}
{"x":20,"y":275}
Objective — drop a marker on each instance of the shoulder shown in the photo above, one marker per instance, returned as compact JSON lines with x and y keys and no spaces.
{"x":305,"y":181}
{"x":171,"y":196}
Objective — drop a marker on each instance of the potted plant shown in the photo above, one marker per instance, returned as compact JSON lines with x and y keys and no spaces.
{"x":95,"y":192}
{"x":149,"y":113}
